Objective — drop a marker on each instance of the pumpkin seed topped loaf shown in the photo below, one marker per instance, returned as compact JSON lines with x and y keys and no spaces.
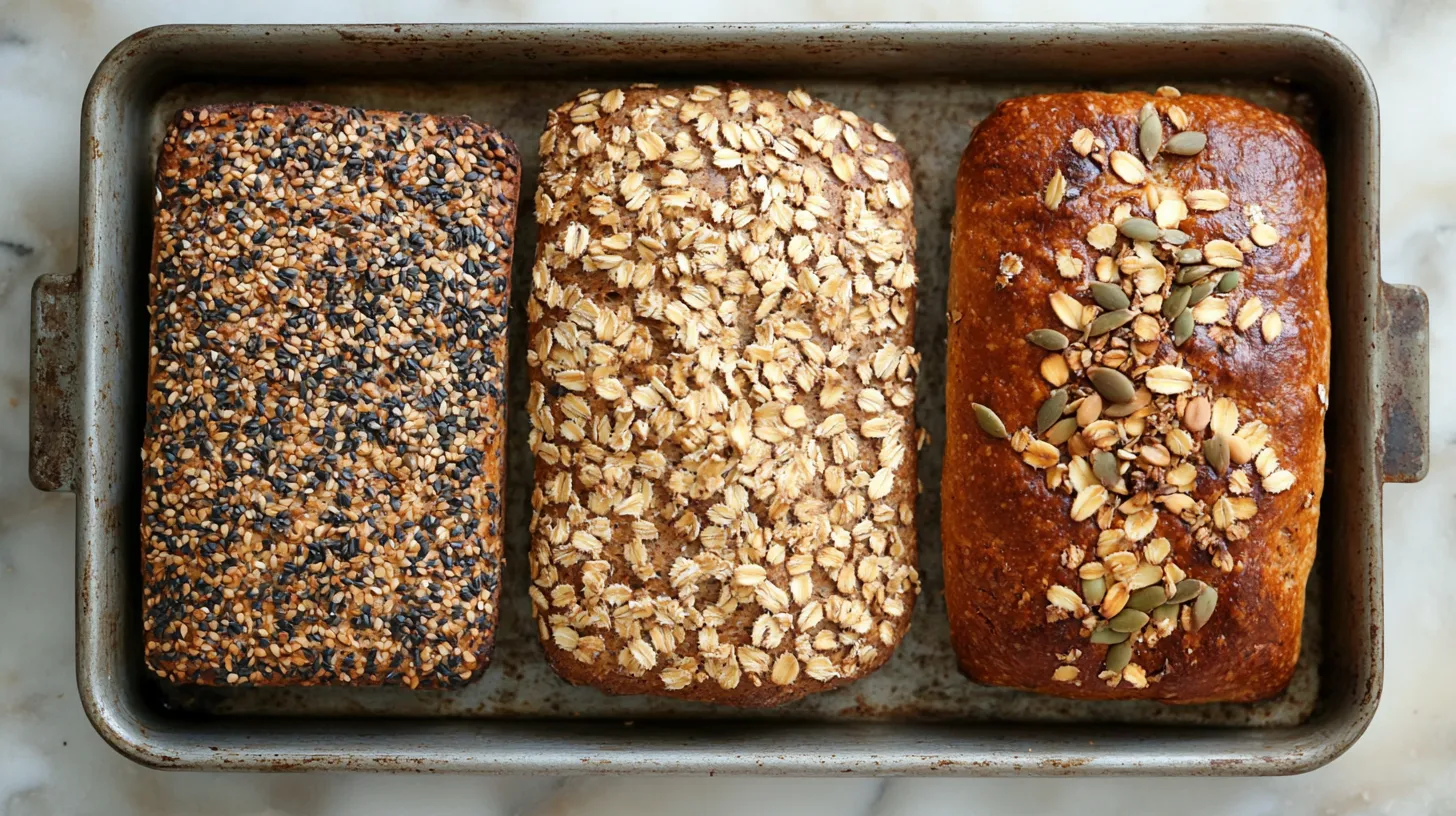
{"x":722,"y":382}
{"x":1138,"y":370}
{"x":322,"y":465}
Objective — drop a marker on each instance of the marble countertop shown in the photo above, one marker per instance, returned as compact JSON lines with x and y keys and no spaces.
{"x":51,"y":762}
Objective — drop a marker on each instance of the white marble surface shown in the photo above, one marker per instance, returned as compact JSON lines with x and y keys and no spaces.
{"x":52,"y":763}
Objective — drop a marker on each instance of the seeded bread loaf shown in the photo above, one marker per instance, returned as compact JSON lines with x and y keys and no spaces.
{"x":323,"y":447}
{"x":1137,"y":375}
{"x":722,"y":382}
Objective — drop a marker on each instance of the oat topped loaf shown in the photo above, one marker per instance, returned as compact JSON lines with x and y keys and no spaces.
{"x":323,"y":446}
{"x":1137,"y":375}
{"x":722,"y":383}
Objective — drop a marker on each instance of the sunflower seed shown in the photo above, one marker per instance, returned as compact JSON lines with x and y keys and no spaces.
{"x":1062,"y":431}
{"x":1183,"y":327}
{"x":1108,"y":321}
{"x":1168,"y":379}
{"x":1128,"y":620}
{"x":1055,"y":189}
{"x":1193,"y":274}
{"x":1165,"y":612}
{"x":1113,"y":385}
{"x":1200,"y":292}
{"x":1264,"y":235}
{"x":1150,"y":135}
{"x":1216,"y":452}
{"x":1051,"y":410}
{"x":1105,"y":635}
{"x":989,"y":422}
{"x":1229,"y":282}
{"x":1187,"y":143}
{"x":1148,"y":598}
{"x":1089,"y":410}
{"x":1177,"y":302}
{"x":1109,"y":296}
{"x":1191,"y":255}
{"x":1127,"y":167}
{"x":1094,"y":589}
{"x":1186,"y":590}
{"x":1049,"y":339}
{"x":1203,"y":607}
{"x":1118,"y":656}
{"x":1139,"y":229}
{"x":1104,"y":465}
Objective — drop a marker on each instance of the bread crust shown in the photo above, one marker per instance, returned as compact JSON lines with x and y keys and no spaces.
{"x":324,"y":448}
{"x":1006,"y":534}
{"x":700,"y":585}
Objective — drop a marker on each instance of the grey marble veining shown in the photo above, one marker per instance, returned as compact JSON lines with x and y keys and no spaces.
{"x":52,"y":763}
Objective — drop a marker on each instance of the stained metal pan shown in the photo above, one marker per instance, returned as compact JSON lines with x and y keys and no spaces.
{"x":929,"y":83}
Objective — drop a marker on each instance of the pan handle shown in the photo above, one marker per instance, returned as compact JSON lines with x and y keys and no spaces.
{"x":54,"y":322}
{"x":1405,"y":382}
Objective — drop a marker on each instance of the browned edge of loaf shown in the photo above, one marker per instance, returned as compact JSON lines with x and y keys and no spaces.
{"x":1004,"y":532}
{"x":479,"y":640}
{"x":606,"y":673}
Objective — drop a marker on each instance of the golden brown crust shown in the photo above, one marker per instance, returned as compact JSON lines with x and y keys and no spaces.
{"x":323,"y":454}
{"x":1009,"y":539}
{"x":717,"y":320}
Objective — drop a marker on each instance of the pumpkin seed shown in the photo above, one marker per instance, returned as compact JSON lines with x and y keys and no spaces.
{"x":1049,"y":339}
{"x":1128,"y":620}
{"x":1118,"y":656}
{"x":1062,"y":431}
{"x":1150,"y":135}
{"x":1140,"y":400}
{"x":1186,"y":590}
{"x":1051,"y":410}
{"x":1183,"y":327}
{"x":1148,"y":598}
{"x":1109,"y":296}
{"x":1113,"y":385}
{"x":989,"y":422}
{"x":1200,"y":292}
{"x":1163,"y":613}
{"x":1105,"y":635}
{"x":1146,"y":112}
{"x":1187,"y":143}
{"x":1176,"y":302}
{"x":1203,"y":607}
{"x":1139,"y":229}
{"x":1216,"y":451}
{"x":1108,"y":321}
{"x":1193,"y":274}
{"x":1094,"y":590}
{"x":1191,"y":255}
{"x":1104,"y":465}
{"x":1229,"y":282}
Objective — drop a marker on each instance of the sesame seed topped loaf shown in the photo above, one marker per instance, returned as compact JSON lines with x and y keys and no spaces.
{"x":324,"y":436}
{"x":722,"y":382}
{"x":1137,"y":375}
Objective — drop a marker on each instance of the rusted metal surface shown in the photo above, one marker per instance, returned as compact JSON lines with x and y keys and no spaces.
{"x":917,"y":715}
{"x":52,"y":381}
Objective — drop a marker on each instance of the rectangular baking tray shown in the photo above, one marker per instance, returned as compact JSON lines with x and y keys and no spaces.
{"x":929,"y":83}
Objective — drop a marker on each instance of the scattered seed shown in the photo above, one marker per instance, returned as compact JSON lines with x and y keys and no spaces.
{"x":1113,"y":385}
{"x":1191,"y":255}
{"x":1207,"y":200}
{"x":1197,"y":414}
{"x":1229,"y":282}
{"x":1140,"y":400}
{"x":1146,"y":112}
{"x":1089,"y":410}
{"x":1062,"y":431}
{"x":1108,"y":321}
{"x":1166,"y":612}
{"x":1082,"y":141}
{"x":1055,"y":189}
{"x":1200,"y":292}
{"x":1148,"y":598}
{"x":1272,"y":327}
{"x":1051,"y":410}
{"x":1168,"y":379}
{"x":989,"y":422}
{"x":1186,"y":590}
{"x":1216,"y":452}
{"x":1049,"y":339}
{"x":1178,"y":117}
{"x":1109,"y":296}
{"x":1176,"y":301}
{"x":1249,"y":313}
{"x":1128,"y":620}
{"x":1104,"y":466}
{"x":1203,"y":607}
{"x":1109,"y":636}
{"x":1054,"y":370}
{"x":1187,"y":143}
{"x":1127,"y":167}
{"x":1150,"y":134}
{"x":1176,"y":237}
{"x":1264,"y":235}
{"x":1183,"y":327}
{"x":1118,"y":656}
{"x":1223,"y":254}
{"x":1068,"y":309}
{"x":1094,"y":590}
{"x":1168,"y":92}
{"x":1139,"y":229}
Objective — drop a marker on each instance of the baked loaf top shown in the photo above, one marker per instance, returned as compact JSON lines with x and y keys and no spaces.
{"x":323,"y":446}
{"x":1138,"y":297}
{"x":721,"y":394}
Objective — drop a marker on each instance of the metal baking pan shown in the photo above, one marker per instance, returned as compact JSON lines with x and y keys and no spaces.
{"x":928,"y":83}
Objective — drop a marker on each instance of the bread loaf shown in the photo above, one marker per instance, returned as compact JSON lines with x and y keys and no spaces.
{"x":722,"y":382}
{"x":1138,"y":296}
{"x":323,"y":445}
